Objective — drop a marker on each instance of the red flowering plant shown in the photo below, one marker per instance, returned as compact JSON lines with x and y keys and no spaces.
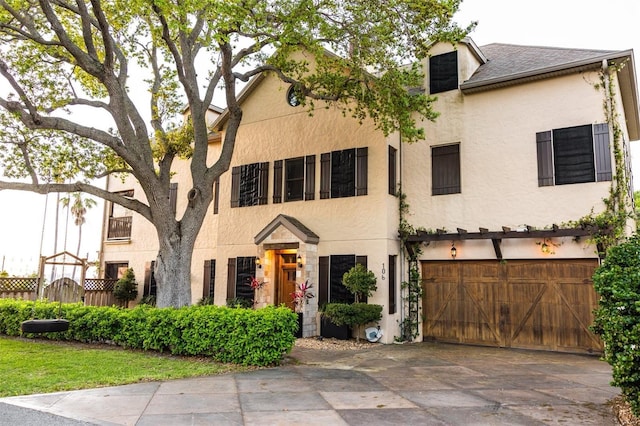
{"x":255,"y":284}
{"x":302,"y":294}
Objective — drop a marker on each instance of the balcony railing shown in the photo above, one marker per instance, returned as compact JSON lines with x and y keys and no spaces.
{"x":119,"y":228}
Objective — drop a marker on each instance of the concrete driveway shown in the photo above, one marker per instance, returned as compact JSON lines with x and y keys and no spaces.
{"x":412,"y":384}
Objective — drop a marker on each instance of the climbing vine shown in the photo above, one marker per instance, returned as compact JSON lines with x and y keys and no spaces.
{"x":412,"y":289}
{"x":608,"y":227}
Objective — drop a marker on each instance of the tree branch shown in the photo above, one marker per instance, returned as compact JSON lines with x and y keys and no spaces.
{"x":49,"y":188}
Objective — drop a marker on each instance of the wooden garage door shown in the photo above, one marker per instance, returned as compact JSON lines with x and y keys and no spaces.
{"x":521,"y":304}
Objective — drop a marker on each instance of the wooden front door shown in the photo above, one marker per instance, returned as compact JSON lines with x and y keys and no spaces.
{"x":286,"y":286}
{"x":521,"y":304}
{"x":286,"y":280}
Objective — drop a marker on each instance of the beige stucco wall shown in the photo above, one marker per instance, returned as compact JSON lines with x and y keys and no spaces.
{"x":272,"y":130}
{"x":362,"y":225}
{"x":496,"y":131}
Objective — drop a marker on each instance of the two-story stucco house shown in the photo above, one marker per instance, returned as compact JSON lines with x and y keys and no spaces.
{"x":522,"y":143}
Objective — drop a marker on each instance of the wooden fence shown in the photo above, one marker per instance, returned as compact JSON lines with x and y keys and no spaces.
{"x":95,"y":292}
{"x":18,"y":288}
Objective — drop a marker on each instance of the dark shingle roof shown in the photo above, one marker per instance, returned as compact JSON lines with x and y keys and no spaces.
{"x":508,"y":62}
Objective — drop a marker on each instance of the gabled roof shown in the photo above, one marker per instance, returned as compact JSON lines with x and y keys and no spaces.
{"x":509,"y":64}
{"x":293,"y":225}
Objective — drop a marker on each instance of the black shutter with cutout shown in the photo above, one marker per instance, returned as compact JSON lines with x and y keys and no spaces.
{"x":361,"y":170}
{"x":325,"y":175}
{"x":544,"y":148}
{"x":235,"y":186}
{"x":310,"y":177}
{"x":277,"y":181}
{"x":602,"y":152}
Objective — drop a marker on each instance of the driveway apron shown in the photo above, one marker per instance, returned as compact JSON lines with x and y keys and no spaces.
{"x":411,"y":384}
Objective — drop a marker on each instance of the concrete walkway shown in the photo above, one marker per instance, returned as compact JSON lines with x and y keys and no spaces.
{"x":414,"y":384}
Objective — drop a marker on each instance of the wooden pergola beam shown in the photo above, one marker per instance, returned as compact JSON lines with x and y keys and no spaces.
{"x":423,"y":237}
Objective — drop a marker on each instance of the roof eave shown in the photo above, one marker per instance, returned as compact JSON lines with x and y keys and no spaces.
{"x":540,"y":73}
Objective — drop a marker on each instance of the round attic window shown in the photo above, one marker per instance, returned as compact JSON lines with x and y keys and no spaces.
{"x":292,"y":97}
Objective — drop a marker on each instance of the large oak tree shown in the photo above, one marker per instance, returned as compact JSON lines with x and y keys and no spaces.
{"x":71,"y":108}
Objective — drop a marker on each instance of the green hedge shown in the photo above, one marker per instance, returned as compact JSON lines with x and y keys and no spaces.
{"x":352,"y":315}
{"x":617,"y":318}
{"x":242,"y":336}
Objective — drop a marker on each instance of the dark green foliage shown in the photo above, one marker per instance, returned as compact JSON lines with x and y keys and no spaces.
{"x":360,"y":281}
{"x":148,"y":300}
{"x":240,"y":336}
{"x":205,"y":301}
{"x":126,"y":288}
{"x":352,"y":315}
{"x":240,"y":302}
{"x":617,"y":319}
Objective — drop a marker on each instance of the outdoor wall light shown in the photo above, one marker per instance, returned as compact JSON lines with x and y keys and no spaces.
{"x":547,"y":246}
{"x":299,"y":261}
{"x":258,"y":263}
{"x":454,"y":251}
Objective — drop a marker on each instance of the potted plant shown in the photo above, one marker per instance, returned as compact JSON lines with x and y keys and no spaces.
{"x":361,"y":283}
{"x":300,"y":297}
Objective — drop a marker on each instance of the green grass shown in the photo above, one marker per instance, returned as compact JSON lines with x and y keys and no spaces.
{"x":28,"y":366}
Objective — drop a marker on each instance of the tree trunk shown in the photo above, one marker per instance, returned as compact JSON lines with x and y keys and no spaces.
{"x":173,"y":272}
{"x":177,"y":239}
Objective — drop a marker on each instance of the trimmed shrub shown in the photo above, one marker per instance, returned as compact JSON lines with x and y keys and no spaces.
{"x":617,"y":318}
{"x":352,"y":315}
{"x":126,"y":288}
{"x":241,"y":336}
{"x":360,"y":281}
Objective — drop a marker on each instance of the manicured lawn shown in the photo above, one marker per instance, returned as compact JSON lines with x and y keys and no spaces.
{"x":38,"y":366}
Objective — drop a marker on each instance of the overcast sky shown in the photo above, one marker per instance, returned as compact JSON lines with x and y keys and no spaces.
{"x":590,"y":24}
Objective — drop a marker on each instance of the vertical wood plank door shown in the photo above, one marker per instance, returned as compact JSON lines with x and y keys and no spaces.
{"x":546,"y":305}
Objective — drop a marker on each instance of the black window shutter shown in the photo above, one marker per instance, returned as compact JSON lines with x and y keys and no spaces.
{"x":310,"y":177}
{"x":361,"y":170}
{"x":323,"y":281}
{"x":153,"y":286}
{"x":325,"y":175}
{"x":602,"y":151}
{"x":343,"y":173}
{"x":231,"y":278}
{"x":263,"y":183}
{"x":362,"y":260}
{"x":235,"y":186}
{"x":277,"y":181}
{"x":443,"y":72}
{"x":339,"y":265}
{"x":392,"y":284}
{"x":147,"y":278}
{"x":392,"y":171}
{"x":544,"y":147}
{"x":445,"y":169}
{"x":245,"y":269}
{"x":216,"y":195}
{"x":206,"y":279}
{"x":150,"y":286}
{"x":573,"y":155}
{"x":173,"y":196}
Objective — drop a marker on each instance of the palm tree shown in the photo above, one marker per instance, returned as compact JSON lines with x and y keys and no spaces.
{"x":78,"y":208}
